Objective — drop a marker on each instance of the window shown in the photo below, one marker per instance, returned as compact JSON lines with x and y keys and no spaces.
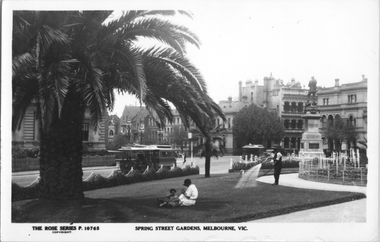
{"x":251,"y":97}
{"x":111,"y":132}
{"x":352,"y":98}
{"x":325,"y":101}
{"x":85,"y":128}
{"x":229,"y":123}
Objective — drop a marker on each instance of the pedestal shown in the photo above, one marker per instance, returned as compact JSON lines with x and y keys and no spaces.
{"x":311,"y":142}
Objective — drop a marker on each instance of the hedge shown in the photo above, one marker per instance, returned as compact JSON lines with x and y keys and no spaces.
{"x":116,"y":179}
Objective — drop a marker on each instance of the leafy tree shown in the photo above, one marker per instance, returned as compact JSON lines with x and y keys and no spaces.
{"x":256,"y":125}
{"x":69,"y":62}
{"x":178,"y":136}
{"x":340,"y":131}
{"x":119,"y":140}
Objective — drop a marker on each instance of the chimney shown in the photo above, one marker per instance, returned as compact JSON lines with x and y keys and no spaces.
{"x":230,"y":99}
{"x":337,"y":82}
{"x":240,"y":91}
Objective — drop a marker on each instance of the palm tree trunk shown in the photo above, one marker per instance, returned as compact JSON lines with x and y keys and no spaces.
{"x":208,"y":158}
{"x":61,"y":154}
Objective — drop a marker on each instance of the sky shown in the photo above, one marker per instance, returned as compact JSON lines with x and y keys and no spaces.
{"x":243,"y":40}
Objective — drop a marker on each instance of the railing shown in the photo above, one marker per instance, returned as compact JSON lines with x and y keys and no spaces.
{"x":29,"y":164}
{"x":338,"y":171}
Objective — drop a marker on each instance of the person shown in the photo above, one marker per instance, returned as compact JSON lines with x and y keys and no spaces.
{"x":277,"y":166}
{"x":188,"y":196}
{"x":171,"y":200}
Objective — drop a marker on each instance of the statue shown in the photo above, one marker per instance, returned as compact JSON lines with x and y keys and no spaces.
{"x":311,"y":104}
{"x":312,"y":92}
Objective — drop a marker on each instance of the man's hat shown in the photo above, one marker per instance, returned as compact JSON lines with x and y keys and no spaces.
{"x":187,"y":182}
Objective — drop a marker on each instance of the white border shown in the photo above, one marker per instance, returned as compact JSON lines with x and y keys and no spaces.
{"x":120,"y":232}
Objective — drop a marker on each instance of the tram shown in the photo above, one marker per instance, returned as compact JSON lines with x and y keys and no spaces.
{"x":253,"y":149}
{"x":141,"y":156}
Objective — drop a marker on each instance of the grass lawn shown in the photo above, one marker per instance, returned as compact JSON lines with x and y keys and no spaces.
{"x":218,"y":201}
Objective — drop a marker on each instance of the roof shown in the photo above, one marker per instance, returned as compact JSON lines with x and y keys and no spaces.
{"x":251,"y":146}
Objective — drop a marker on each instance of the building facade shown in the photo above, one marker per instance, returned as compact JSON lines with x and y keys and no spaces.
{"x":287,"y":100}
{"x":348,"y":102}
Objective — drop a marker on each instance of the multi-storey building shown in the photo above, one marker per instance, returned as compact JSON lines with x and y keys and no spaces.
{"x":348,"y":102}
{"x":287,"y":100}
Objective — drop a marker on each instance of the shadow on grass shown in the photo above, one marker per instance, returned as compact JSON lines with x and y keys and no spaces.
{"x":218,"y":201}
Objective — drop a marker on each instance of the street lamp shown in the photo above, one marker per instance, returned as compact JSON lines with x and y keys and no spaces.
{"x":160,"y":133}
{"x":141,"y":131}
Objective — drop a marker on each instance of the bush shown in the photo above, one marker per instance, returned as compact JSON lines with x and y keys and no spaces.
{"x":292,"y":163}
{"x":17,"y":152}
{"x":97,"y":181}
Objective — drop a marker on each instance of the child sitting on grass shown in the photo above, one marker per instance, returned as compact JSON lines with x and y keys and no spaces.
{"x":171,"y":200}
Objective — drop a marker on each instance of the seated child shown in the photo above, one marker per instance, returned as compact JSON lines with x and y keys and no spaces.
{"x":171,"y":200}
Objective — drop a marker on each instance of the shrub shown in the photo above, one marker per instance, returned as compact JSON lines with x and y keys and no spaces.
{"x":97,"y":181}
{"x":17,"y":152}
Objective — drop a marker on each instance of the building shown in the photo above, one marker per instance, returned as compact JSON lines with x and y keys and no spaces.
{"x":132,"y":123}
{"x":230,"y":109}
{"x":28,"y":135}
{"x":346,"y":101}
{"x":285,"y":99}
{"x":112,"y":128}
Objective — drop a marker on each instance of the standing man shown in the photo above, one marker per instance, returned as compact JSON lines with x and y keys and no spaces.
{"x":188,"y":197}
{"x":277,"y":166}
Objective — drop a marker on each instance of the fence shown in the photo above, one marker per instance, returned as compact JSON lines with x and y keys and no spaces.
{"x":29,"y":164}
{"x":338,"y":171}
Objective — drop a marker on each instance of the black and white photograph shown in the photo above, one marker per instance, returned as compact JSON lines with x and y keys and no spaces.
{"x":216,"y":120}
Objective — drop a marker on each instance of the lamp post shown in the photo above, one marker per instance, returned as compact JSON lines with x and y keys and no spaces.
{"x":160,"y":133}
{"x":141,"y":131}
{"x":190,"y":136}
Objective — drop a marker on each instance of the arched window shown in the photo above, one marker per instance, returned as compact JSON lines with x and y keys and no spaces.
{"x":330,"y":118}
{"x":286,"y":107}
{"x":286,"y":124}
{"x":286,"y":142}
{"x":300,"y":124}
{"x":294,"y":107}
{"x":293,"y":142}
{"x":111,"y":132}
{"x":352,"y":121}
{"x":300,"y":107}
{"x":323,"y":121}
{"x":293,"y":125}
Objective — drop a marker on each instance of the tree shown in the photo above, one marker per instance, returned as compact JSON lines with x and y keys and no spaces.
{"x":70,"y":62}
{"x":340,"y":131}
{"x":257,"y":125}
{"x":212,"y":144}
{"x":118,"y":141}
{"x":178,"y":136}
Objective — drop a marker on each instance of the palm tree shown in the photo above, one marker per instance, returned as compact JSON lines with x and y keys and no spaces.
{"x":212,"y":144}
{"x":70,"y":62}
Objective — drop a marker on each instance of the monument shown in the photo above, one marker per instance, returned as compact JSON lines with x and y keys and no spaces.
{"x":311,"y":142}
